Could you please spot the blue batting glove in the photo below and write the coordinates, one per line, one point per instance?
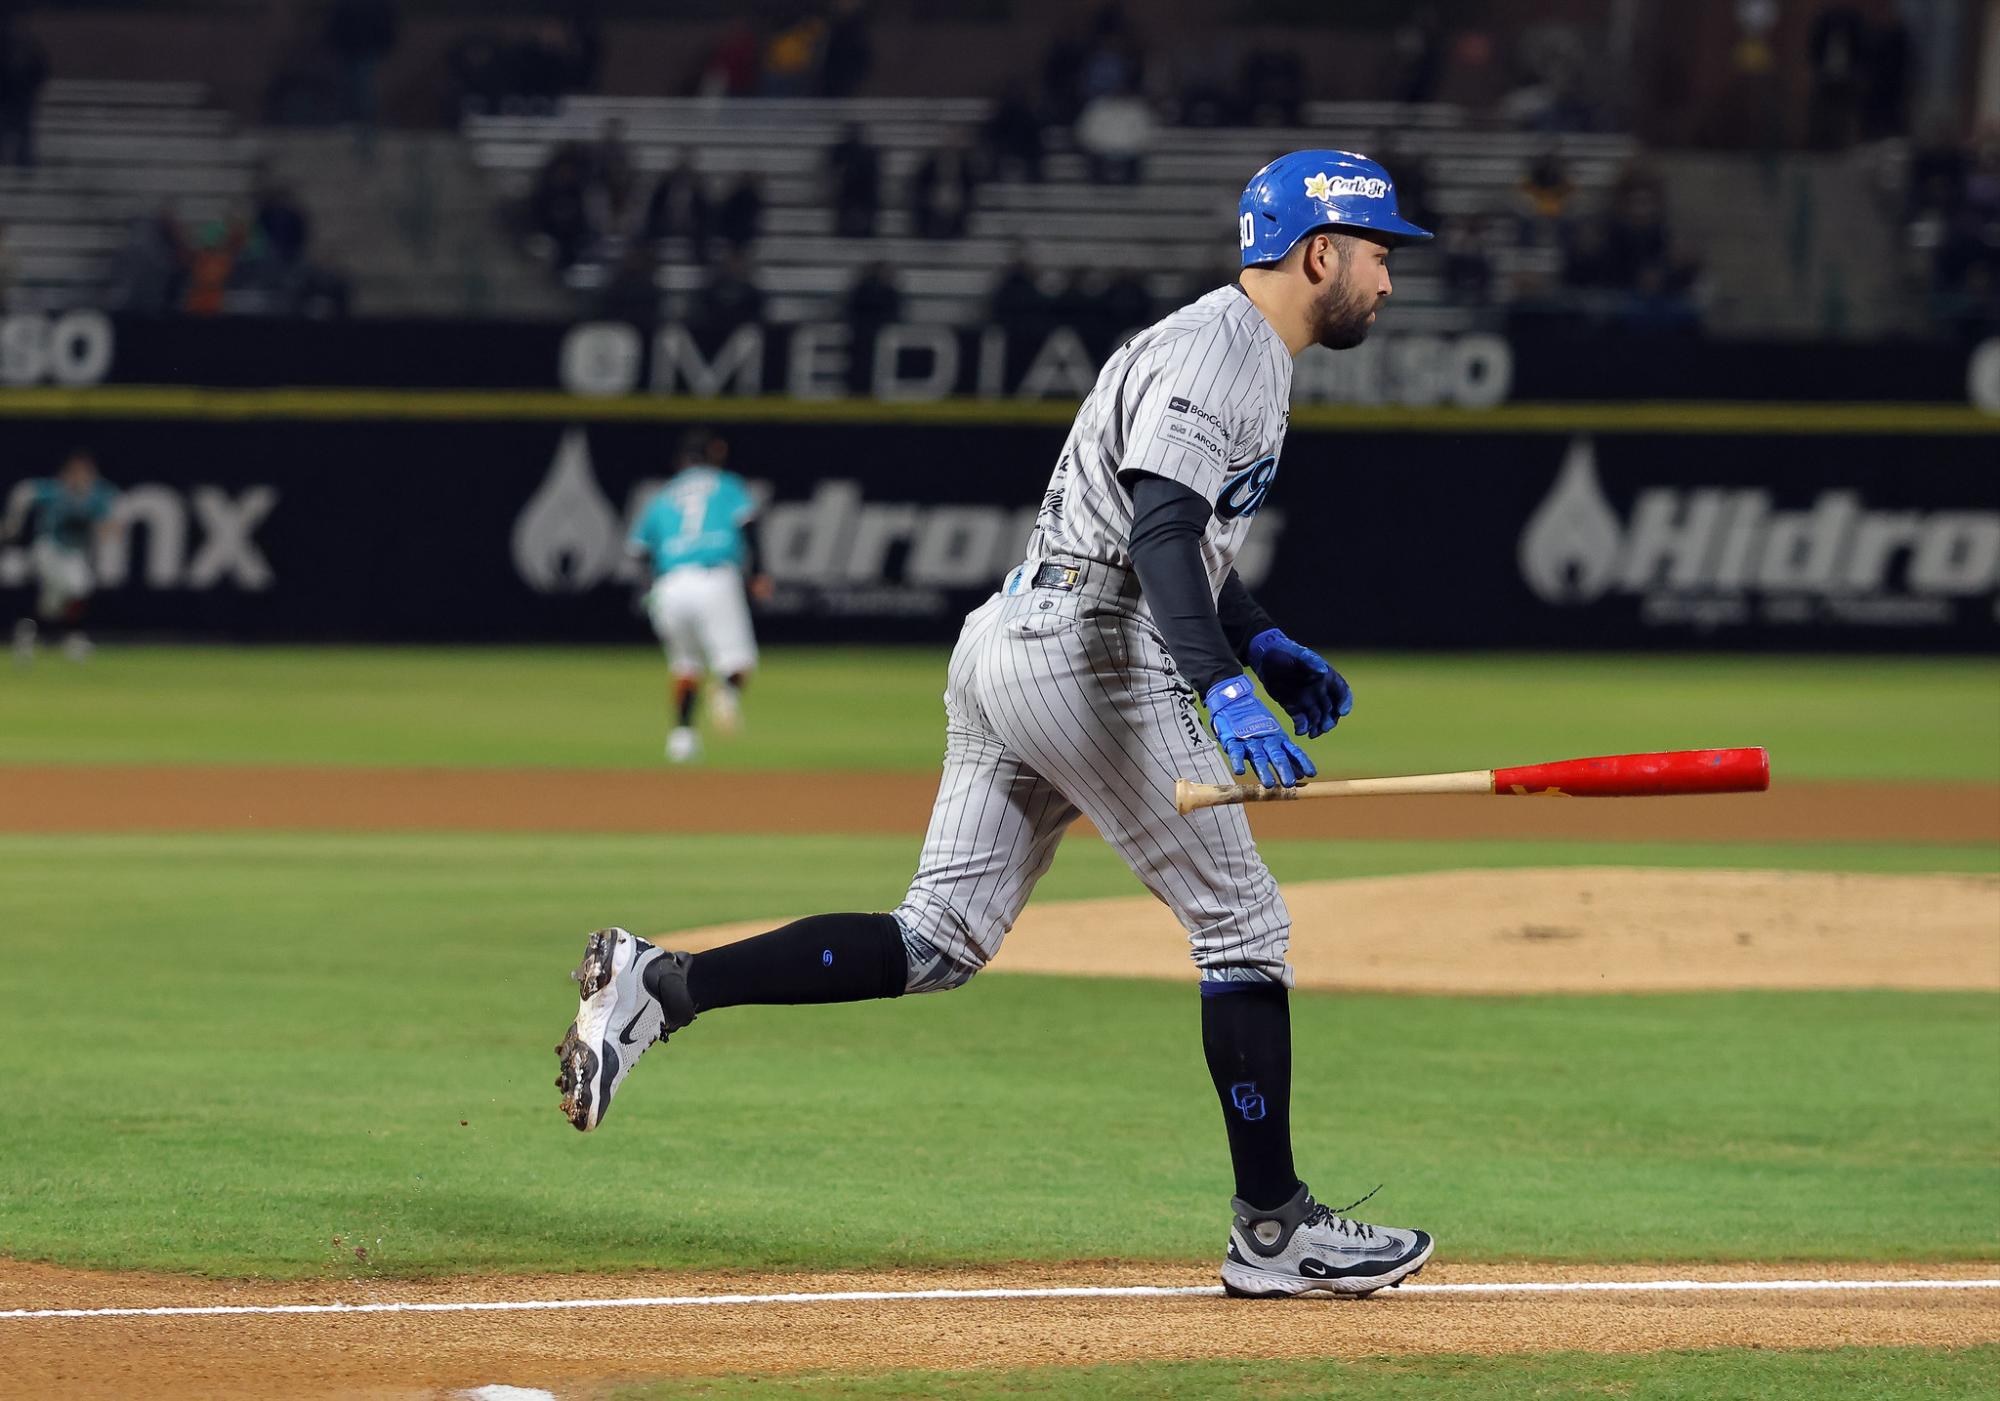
(1250, 734)
(1298, 678)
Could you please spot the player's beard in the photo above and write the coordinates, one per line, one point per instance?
(1340, 316)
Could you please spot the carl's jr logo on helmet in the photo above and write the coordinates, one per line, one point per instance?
(1325, 187)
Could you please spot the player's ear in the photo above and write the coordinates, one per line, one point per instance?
(1318, 254)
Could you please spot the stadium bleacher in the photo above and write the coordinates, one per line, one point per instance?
(110, 153)
(1175, 223)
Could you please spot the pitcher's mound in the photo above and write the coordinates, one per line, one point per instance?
(1566, 929)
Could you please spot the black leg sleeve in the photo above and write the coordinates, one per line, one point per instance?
(827, 958)
(1246, 1032)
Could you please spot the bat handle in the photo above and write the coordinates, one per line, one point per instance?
(1192, 797)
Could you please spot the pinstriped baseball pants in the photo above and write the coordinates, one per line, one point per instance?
(1066, 703)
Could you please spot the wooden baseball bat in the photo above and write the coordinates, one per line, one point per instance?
(1612, 776)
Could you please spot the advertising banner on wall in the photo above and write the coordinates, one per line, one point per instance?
(918, 363)
(478, 531)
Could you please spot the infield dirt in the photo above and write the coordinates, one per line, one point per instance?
(581, 1353)
(230, 798)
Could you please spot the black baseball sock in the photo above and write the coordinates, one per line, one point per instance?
(1246, 1033)
(827, 958)
(685, 694)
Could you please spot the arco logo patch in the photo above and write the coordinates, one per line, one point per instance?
(1245, 492)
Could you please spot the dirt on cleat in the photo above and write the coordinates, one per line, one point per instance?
(595, 970)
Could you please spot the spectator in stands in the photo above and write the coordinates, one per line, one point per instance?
(1659, 301)
(24, 68)
(1419, 47)
(611, 184)
(1957, 228)
(147, 271)
(1017, 301)
(730, 299)
(1011, 142)
(873, 301)
(1542, 200)
(1111, 62)
(1105, 61)
(282, 226)
(739, 218)
(1062, 79)
(478, 68)
(732, 66)
(1208, 91)
(631, 294)
(848, 54)
(611, 163)
(1838, 51)
(526, 73)
(679, 208)
(557, 207)
(1554, 93)
(1885, 111)
(1114, 131)
(854, 170)
(1083, 305)
(1412, 169)
(361, 34)
(211, 256)
(1636, 233)
(1972, 309)
(1587, 265)
(6, 270)
(583, 43)
(1274, 86)
(942, 189)
(792, 58)
(1467, 264)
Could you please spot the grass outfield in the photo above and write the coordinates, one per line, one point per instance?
(1847, 718)
(246, 1046)
(1866, 1374)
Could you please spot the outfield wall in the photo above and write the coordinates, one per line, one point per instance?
(399, 516)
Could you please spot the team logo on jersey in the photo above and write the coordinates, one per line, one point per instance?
(1324, 187)
(1246, 491)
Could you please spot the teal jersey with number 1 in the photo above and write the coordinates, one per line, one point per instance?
(698, 517)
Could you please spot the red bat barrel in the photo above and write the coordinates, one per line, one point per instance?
(1642, 775)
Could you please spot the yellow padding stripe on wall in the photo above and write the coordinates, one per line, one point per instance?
(503, 405)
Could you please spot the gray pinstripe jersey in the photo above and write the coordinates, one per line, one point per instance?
(1062, 700)
(1200, 398)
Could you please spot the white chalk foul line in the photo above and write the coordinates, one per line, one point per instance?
(864, 1296)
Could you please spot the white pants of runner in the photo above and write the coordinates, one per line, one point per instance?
(1065, 702)
(64, 575)
(703, 619)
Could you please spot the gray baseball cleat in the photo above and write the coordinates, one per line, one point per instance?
(616, 1020)
(1305, 1248)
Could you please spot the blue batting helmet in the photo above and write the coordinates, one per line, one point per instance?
(1308, 190)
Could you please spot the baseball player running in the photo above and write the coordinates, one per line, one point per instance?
(70, 512)
(1071, 691)
(694, 536)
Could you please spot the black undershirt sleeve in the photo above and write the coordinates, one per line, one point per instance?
(1242, 616)
(753, 552)
(1167, 521)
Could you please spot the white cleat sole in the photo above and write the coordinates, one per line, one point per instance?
(1245, 1282)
